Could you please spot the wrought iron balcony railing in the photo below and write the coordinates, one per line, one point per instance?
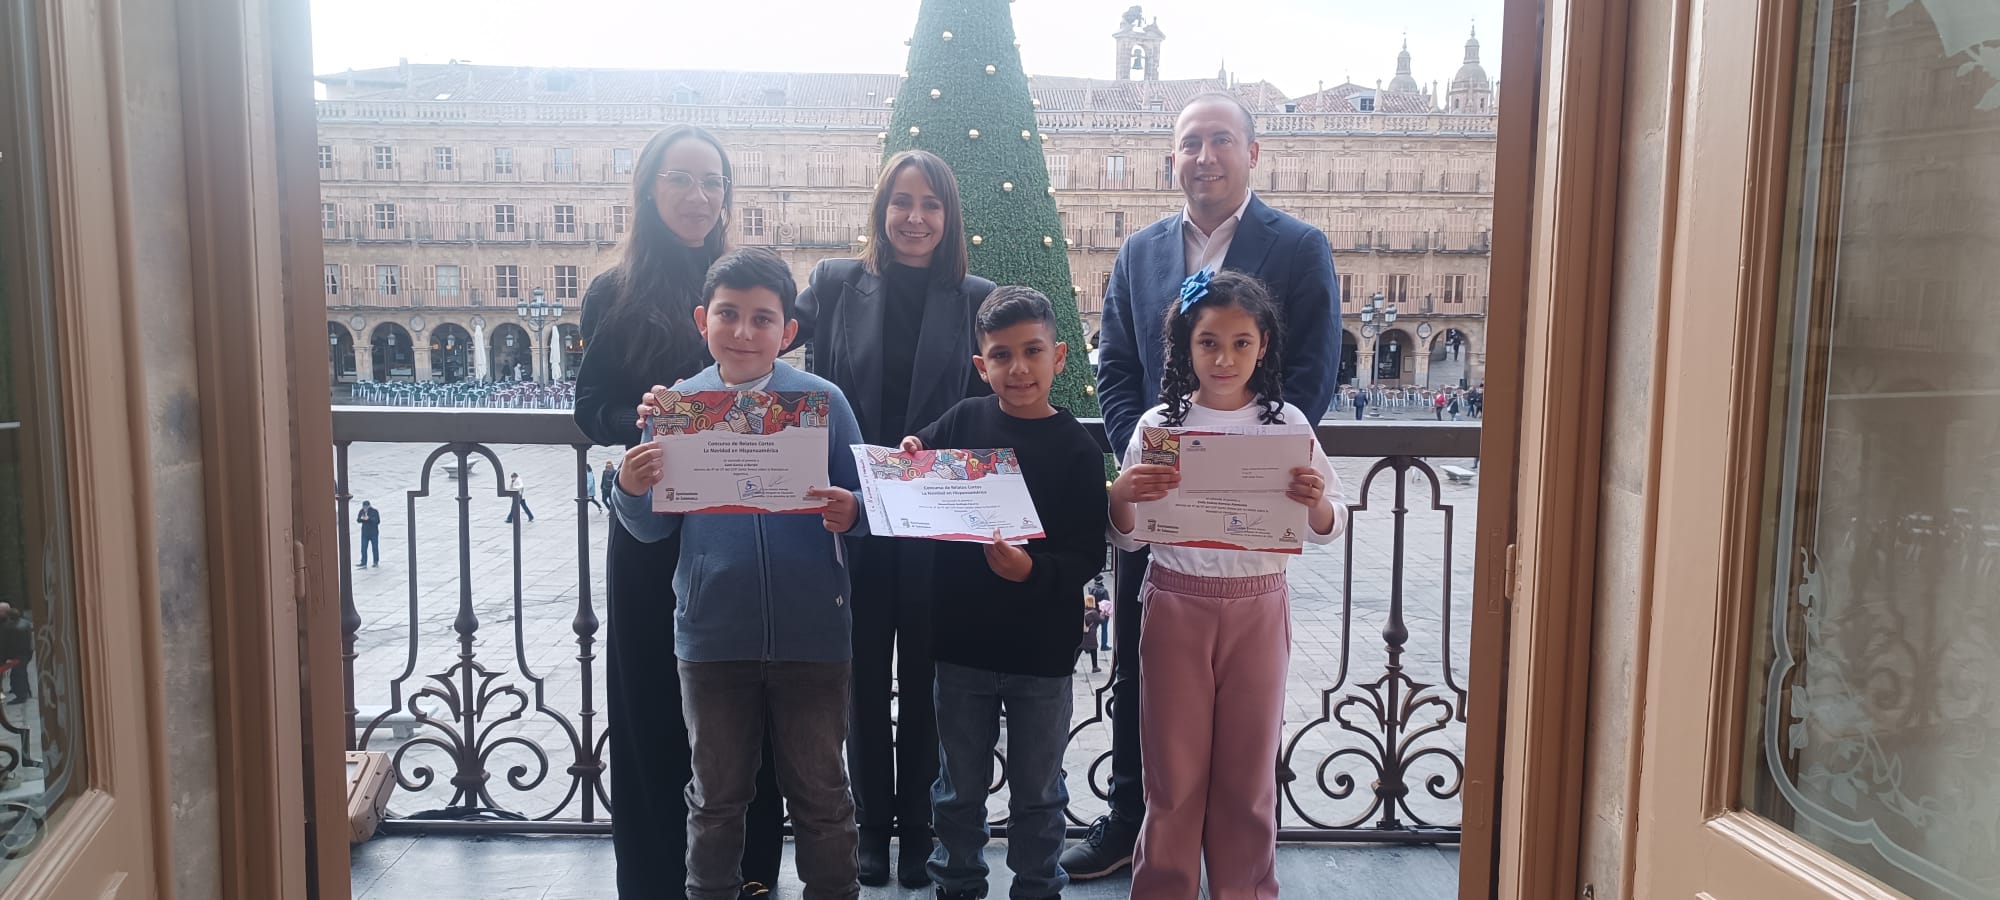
(483, 682)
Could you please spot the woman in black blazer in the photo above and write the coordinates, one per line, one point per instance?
(638, 330)
(894, 329)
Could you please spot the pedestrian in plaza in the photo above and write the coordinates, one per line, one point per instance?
(1438, 402)
(1360, 404)
(1454, 407)
(776, 668)
(1478, 399)
(1012, 617)
(1223, 227)
(1092, 620)
(605, 483)
(590, 486)
(1103, 603)
(17, 647)
(520, 499)
(371, 534)
(1217, 640)
(894, 329)
(638, 326)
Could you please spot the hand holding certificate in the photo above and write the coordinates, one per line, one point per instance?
(1227, 489)
(739, 451)
(946, 495)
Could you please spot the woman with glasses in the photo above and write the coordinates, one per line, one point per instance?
(638, 326)
(894, 330)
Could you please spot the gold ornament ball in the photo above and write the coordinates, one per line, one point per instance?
(1090, 390)
(1076, 290)
(1007, 185)
(883, 136)
(1048, 241)
(913, 131)
(990, 69)
(1037, 103)
(1052, 190)
(947, 35)
(1045, 138)
(935, 93)
(977, 240)
(972, 133)
(1025, 134)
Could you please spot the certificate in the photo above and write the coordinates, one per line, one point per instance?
(740, 451)
(1232, 492)
(946, 495)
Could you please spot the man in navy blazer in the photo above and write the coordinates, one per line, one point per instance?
(1224, 226)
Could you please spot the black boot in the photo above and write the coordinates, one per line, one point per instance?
(873, 852)
(913, 849)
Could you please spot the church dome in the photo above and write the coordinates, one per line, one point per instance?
(1471, 74)
(1403, 82)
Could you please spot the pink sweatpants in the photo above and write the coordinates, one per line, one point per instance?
(1212, 660)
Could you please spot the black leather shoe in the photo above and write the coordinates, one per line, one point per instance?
(913, 852)
(1106, 849)
(873, 855)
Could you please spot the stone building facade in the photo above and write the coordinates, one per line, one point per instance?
(453, 193)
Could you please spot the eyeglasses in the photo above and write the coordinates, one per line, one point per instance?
(683, 182)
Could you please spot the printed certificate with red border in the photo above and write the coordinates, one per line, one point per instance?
(740, 451)
(946, 495)
(1232, 493)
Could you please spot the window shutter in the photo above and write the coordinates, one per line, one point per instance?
(549, 279)
(491, 279)
(430, 278)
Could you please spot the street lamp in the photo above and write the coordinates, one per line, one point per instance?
(538, 311)
(1376, 305)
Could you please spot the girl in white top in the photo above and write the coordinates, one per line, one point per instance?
(1217, 635)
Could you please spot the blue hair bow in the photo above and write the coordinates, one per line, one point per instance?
(1195, 288)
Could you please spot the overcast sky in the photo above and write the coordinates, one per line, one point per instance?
(1295, 44)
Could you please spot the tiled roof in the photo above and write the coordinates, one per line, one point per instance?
(1343, 99)
(516, 84)
(709, 87)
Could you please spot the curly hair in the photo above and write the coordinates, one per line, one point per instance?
(1266, 383)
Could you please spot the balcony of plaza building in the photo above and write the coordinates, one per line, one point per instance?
(474, 656)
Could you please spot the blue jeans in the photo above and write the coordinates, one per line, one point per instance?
(968, 715)
(728, 705)
(371, 541)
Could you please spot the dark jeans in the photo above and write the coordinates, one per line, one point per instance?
(1104, 635)
(371, 539)
(892, 768)
(1128, 795)
(648, 739)
(521, 504)
(730, 707)
(1038, 710)
(1358, 409)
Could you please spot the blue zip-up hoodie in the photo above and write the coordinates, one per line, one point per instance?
(760, 587)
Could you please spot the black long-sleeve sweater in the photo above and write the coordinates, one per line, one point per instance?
(608, 385)
(983, 621)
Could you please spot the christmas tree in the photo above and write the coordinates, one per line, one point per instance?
(966, 100)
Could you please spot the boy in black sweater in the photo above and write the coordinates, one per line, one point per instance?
(1005, 620)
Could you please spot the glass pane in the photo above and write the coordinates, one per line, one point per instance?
(41, 736)
(1875, 689)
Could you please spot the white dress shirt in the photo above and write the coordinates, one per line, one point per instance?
(1206, 563)
(1206, 251)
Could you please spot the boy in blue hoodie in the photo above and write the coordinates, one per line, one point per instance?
(761, 630)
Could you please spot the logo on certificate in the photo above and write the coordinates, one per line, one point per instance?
(1152, 524)
(1289, 537)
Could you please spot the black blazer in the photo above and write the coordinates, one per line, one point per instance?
(840, 314)
(608, 386)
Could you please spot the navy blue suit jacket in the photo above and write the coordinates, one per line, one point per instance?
(1289, 256)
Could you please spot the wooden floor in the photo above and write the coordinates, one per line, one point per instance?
(437, 867)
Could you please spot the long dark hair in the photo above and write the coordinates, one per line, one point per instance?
(1267, 384)
(658, 276)
(948, 260)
